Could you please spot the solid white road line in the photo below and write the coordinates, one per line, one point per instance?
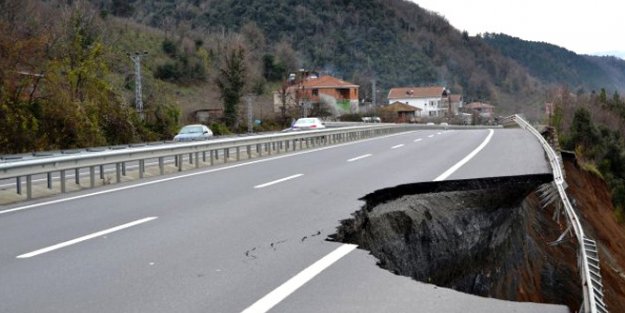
(270, 300)
(418, 139)
(430, 136)
(83, 238)
(277, 181)
(466, 158)
(397, 146)
(359, 157)
(277, 295)
(439, 133)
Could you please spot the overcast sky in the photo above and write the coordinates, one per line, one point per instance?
(583, 26)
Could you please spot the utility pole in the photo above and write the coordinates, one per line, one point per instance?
(302, 78)
(373, 93)
(136, 59)
(250, 125)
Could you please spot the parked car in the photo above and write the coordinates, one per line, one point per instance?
(308, 123)
(375, 119)
(194, 132)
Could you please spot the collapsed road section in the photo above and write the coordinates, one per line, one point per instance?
(487, 237)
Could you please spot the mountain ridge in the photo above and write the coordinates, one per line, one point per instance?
(396, 42)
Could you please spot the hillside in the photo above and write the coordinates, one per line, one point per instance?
(555, 65)
(67, 80)
(393, 41)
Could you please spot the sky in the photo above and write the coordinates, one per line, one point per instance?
(583, 26)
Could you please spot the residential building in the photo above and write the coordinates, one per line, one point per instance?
(456, 102)
(398, 112)
(339, 95)
(431, 101)
(484, 110)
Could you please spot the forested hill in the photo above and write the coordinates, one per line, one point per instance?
(66, 80)
(554, 64)
(393, 41)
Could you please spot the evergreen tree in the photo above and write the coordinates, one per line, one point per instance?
(231, 82)
(583, 131)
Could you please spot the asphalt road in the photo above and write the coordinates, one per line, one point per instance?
(247, 237)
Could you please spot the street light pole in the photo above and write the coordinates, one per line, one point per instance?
(136, 59)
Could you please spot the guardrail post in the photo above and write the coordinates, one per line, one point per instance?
(204, 156)
(18, 185)
(238, 153)
(63, 181)
(29, 187)
(141, 168)
(197, 159)
(101, 171)
(161, 165)
(118, 175)
(92, 176)
(49, 179)
(123, 168)
(226, 155)
(77, 176)
(180, 163)
(269, 148)
(190, 158)
(212, 159)
(249, 151)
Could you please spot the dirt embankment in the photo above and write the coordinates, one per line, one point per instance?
(591, 197)
(487, 237)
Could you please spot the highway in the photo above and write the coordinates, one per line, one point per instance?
(245, 237)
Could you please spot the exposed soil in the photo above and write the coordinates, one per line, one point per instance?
(484, 237)
(591, 197)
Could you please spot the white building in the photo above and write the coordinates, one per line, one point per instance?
(432, 101)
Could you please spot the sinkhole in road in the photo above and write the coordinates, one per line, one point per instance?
(482, 236)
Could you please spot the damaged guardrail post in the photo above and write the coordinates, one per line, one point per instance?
(588, 256)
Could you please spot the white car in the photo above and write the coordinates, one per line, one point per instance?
(308, 123)
(194, 132)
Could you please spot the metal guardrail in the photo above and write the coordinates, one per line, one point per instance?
(588, 257)
(198, 152)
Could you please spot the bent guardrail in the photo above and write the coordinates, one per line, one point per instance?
(588, 257)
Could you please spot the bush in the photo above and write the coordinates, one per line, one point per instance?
(351, 117)
(167, 71)
(170, 48)
(220, 129)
